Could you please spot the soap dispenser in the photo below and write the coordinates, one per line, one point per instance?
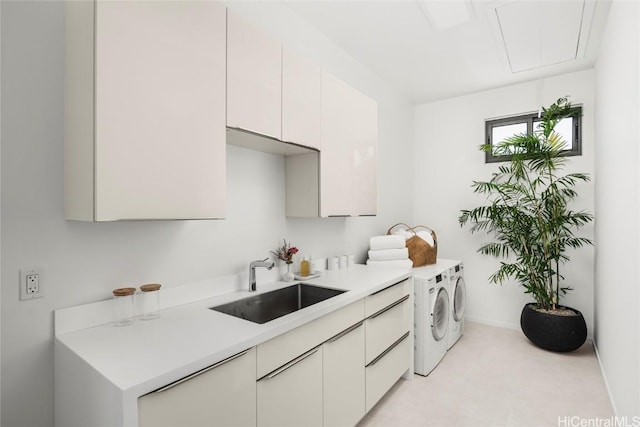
(312, 266)
(304, 267)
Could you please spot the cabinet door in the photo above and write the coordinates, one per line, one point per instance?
(344, 377)
(365, 183)
(292, 394)
(301, 89)
(225, 395)
(336, 151)
(254, 78)
(302, 185)
(348, 152)
(159, 110)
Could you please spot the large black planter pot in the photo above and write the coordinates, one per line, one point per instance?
(553, 332)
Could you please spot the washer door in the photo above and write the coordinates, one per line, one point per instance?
(440, 315)
(459, 299)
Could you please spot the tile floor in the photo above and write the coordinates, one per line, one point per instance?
(496, 377)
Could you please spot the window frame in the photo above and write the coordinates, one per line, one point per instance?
(529, 119)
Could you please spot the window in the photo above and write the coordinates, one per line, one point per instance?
(570, 128)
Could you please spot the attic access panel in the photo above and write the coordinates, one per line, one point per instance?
(541, 33)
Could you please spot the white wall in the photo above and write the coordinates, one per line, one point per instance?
(448, 159)
(0, 205)
(617, 334)
(83, 262)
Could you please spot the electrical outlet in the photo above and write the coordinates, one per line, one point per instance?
(31, 283)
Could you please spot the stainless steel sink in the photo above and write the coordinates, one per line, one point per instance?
(272, 305)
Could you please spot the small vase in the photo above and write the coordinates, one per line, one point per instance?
(288, 275)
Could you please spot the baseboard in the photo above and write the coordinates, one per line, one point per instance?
(488, 322)
(507, 325)
(604, 377)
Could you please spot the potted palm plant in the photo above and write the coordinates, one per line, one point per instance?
(528, 215)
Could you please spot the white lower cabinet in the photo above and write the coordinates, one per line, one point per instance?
(292, 394)
(388, 339)
(377, 301)
(386, 326)
(280, 350)
(221, 395)
(328, 372)
(344, 377)
(296, 369)
(383, 372)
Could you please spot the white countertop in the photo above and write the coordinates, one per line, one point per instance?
(144, 356)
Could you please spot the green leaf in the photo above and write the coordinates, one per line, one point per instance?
(527, 211)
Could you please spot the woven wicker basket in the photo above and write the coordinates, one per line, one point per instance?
(420, 252)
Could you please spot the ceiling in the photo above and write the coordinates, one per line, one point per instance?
(430, 50)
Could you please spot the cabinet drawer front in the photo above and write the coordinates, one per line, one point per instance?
(382, 374)
(385, 297)
(281, 349)
(292, 397)
(384, 329)
(222, 395)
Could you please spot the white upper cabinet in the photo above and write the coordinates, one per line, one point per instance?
(254, 78)
(365, 183)
(273, 91)
(144, 110)
(301, 100)
(336, 150)
(348, 184)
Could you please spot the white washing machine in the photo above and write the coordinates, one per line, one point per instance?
(457, 301)
(431, 317)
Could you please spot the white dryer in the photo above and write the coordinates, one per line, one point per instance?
(458, 298)
(431, 318)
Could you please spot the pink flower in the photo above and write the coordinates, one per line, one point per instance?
(285, 252)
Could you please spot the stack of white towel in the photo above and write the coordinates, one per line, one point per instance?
(389, 251)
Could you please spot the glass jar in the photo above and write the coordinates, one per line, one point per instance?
(150, 301)
(123, 306)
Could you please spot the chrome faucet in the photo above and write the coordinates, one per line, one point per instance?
(252, 271)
